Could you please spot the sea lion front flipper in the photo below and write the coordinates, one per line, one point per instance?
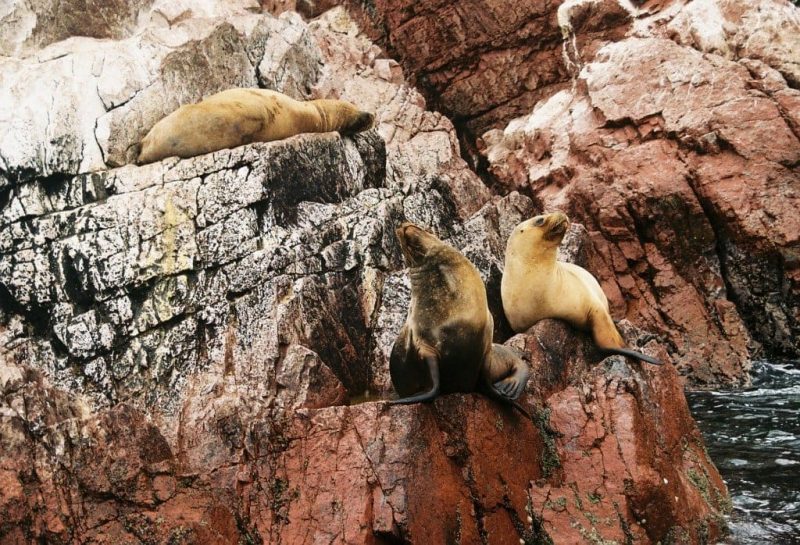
(405, 367)
(433, 366)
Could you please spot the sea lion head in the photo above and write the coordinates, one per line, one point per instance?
(356, 121)
(544, 231)
(416, 243)
(343, 117)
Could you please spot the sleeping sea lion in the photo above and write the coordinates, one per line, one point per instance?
(536, 286)
(445, 344)
(235, 117)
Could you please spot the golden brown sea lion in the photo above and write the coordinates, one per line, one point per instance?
(446, 343)
(241, 116)
(536, 286)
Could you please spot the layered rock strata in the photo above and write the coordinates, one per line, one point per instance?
(611, 455)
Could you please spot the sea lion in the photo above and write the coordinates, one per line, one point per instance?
(241, 116)
(536, 286)
(445, 344)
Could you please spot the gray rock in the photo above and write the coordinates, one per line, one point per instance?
(93, 100)
(267, 275)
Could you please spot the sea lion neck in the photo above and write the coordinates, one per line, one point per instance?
(435, 269)
(531, 256)
(315, 118)
(327, 118)
(543, 256)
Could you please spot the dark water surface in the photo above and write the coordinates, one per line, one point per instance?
(753, 437)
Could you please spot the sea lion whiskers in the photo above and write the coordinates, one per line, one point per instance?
(557, 227)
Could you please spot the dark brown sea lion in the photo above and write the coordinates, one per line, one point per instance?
(241, 116)
(536, 286)
(446, 343)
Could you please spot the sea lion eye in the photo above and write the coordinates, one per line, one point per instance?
(538, 222)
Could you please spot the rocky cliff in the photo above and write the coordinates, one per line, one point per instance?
(668, 128)
(194, 351)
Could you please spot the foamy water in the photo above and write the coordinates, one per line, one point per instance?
(753, 437)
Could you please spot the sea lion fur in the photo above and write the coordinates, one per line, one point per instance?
(536, 286)
(236, 117)
(445, 344)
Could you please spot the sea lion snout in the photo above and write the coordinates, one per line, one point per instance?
(360, 122)
(555, 225)
(364, 121)
(549, 227)
(401, 231)
(412, 241)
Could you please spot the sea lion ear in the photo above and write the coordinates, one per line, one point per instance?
(538, 221)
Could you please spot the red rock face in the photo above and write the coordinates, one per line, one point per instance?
(221, 401)
(629, 468)
(654, 247)
(689, 204)
(676, 145)
(416, 474)
(72, 477)
(483, 62)
(612, 453)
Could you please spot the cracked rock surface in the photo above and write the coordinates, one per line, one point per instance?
(668, 128)
(194, 351)
(685, 171)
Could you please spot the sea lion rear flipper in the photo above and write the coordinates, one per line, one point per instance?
(608, 339)
(505, 387)
(633, 354)
(511, 370)
(433, 366)
(521, 409)
(510, 387)
(497, 392)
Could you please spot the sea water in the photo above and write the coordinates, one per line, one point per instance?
(753, 436)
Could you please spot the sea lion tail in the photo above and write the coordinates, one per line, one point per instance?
(633, 354)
